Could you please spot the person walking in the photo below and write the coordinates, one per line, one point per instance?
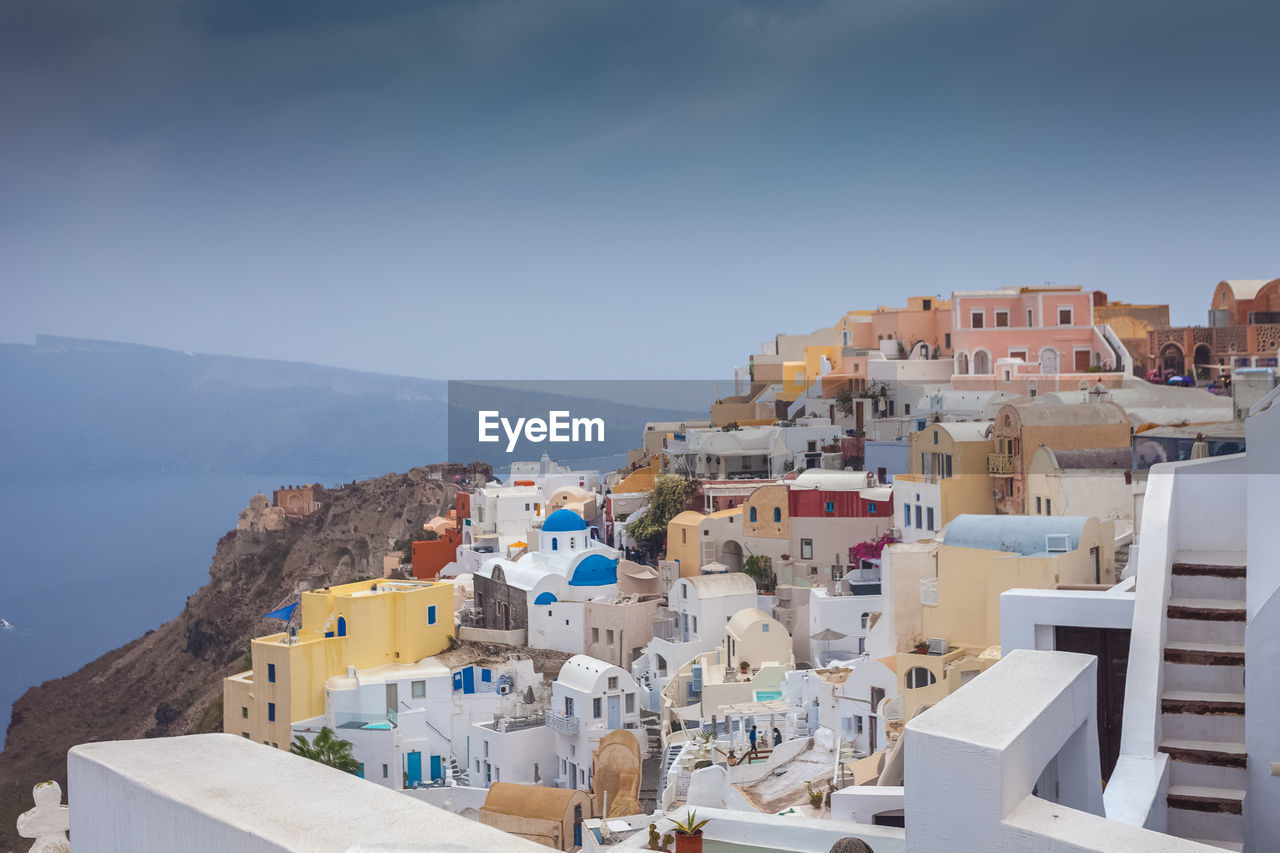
(752, 736)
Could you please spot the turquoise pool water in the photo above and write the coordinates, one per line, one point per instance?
(766, 695)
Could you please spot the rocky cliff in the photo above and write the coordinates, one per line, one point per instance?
(169, 681)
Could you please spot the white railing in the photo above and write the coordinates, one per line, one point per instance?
(560, 723)
(929, 592)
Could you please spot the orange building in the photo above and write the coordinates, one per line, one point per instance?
(1243, 331)
(298, 501)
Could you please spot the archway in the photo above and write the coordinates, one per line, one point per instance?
(1171, 358)
(962, 363)
(731, 555)
(982, 362)
(1202, 358)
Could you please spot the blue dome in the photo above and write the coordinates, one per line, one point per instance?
(564, 520)
(595, 570)
(545, 598)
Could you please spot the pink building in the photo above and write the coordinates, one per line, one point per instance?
(1026, 338)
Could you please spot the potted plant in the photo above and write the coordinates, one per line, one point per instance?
(689, 833)
(922, 648)
(744, 667)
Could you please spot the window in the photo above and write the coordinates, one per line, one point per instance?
(906, 515)
(568, 706)
(918, 676)
(695, 624)
(1038, 506)
(244, 735)
(862, 645)
(871, 508)
(595, 635)
(486, 749)
(1048, 507)
(1064, 315)
(918, 517)
(806, 549)
(777, 514)
(596, 707)
(431, 614)
(947, 461)
(764, 628)
(1018, 353)
(384, 771)
(613, 679)
(976, 319)
(486, 675)
(947, 338)
(419, 689)
(928, 516)
(609, 636)
(813, 446)
(684, 536)
(631, 703)
(555, 543)
(271, 672)
(244, 712)
(684, 591)
(753, 514)
(831, 506)
(935, 436)
(271, 712)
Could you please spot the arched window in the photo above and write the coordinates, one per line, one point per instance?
(555, 543)
(918, 676)
(342, 626)
(981, 362)
(962, 363)
(866, 621)
(753, 514)
(777, 514)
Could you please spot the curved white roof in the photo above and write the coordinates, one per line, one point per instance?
(583, 672)
(745, 618)
(831, 481)
(728, 583)
(1246, 288)
(965, 430)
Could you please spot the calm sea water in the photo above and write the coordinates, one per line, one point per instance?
(89, 563)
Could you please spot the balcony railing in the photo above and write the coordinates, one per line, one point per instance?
(561, 723)
(1002, 463)
(515, 724)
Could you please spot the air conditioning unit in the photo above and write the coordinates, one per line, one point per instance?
(1057, 543)
(504, 689)
(937, 646)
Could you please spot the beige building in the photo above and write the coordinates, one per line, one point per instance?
(1095, 481)
(550, 816)
(980, 557)
(1022, 427)
(948, 477)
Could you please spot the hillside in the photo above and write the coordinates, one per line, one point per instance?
(168, 682)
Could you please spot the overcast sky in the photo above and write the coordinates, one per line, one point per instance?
(647, 189)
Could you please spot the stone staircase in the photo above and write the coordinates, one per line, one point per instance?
(653, 765)
(1202, 706)
(457, 772)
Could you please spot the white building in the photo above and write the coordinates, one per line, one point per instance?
(846, 614)
(589, 699)
(698, 607)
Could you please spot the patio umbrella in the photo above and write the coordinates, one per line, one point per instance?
(826, 635)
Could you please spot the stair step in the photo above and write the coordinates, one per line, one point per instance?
(1208, 570)
(1198, 799)
(1195, 702)
(1214, 654)
(1206, 752)
(1210, 609)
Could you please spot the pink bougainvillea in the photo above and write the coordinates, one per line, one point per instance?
(869, 550)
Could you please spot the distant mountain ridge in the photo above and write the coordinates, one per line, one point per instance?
(74, 405)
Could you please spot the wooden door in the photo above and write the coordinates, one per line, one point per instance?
(1083, 357)
(1111, 647)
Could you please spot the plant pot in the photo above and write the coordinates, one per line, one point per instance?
(689, 843)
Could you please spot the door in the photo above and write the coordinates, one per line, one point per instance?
(615, 712)
(577, 826)
(573, 775)
(414, 767)
(469, 680)
(1082, 360)
(1048, 361)
(1111, 647)
(393, 697)
(437, 768)
(1095, 563)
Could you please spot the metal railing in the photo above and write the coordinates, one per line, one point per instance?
(560, 723)
(515, 724)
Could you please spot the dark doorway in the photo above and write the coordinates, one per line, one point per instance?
(1111, 647)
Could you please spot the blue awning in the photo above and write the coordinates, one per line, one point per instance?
(283, 613)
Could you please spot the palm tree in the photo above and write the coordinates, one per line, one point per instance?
(327, 749)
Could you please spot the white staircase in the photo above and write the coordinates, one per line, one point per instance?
(1202, 706)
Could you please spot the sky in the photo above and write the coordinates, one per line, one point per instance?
(542, 189)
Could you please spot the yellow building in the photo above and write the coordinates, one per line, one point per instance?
(695, 540)
(980, 557)
(363, 624)
(948, 464)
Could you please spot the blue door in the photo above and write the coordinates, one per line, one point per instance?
(469, 680)
(615, 712)
(437, 769)
(415, 768)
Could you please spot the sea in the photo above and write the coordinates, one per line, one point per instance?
(90, 562)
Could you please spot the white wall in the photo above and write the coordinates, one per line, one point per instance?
(557, 625)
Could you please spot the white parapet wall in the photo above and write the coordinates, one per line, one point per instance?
(1026, 725)
(218, 792)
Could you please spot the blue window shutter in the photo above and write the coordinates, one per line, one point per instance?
(431, 614)
(271, 712)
